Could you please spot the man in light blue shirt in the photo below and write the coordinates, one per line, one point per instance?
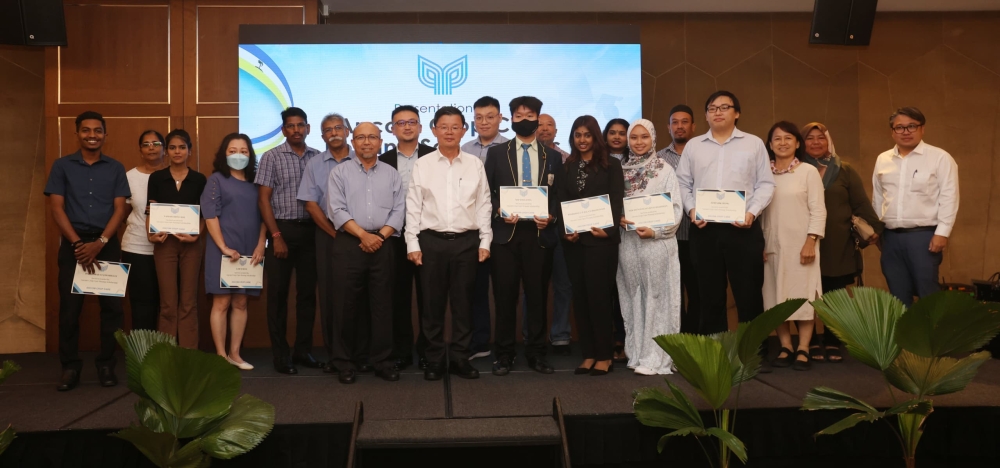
(726, 158)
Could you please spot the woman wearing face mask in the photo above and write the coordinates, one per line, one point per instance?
(229, 204)
(649, 272)
(845, 197)
(177, 256)
(591, 256)
(793, 224)
(143, 290)
(616, 138)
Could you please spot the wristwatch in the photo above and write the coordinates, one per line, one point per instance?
(104, 240)
(813, 237)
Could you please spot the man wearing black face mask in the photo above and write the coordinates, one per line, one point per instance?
(522, 249)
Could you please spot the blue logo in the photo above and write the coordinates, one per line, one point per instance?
(442, 80)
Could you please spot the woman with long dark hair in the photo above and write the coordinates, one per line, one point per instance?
(143, 289)
(229, 205)
(591, 256)
(616, 139)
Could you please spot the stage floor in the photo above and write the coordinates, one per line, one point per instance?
(29, 401)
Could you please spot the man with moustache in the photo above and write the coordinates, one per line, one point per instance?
(916, 194)
(87, 192)
(682, 128)
(547, 134)
(291, 242)
(522, 250)
(726, 158)
(312, 191)
(406, 127)
(487, 121)
(447, 234)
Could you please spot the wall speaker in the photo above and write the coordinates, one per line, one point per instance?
(843, 22)
(32, 22)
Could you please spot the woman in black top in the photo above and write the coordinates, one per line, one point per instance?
(592, 257)
(177, 256)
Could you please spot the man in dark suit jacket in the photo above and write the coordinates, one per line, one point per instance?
(522, 249)
(406, 127)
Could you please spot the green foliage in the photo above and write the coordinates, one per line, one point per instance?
(703, 363)
(188, 396)
(8, 435)
(918, 350)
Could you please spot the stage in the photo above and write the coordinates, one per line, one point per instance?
(314, 415)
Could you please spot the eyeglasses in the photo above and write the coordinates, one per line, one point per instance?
(487, 118)
(336, 128)
(298, 126)
(905, 129)
(371, 138)
(407, 123)
(150, 144)
(453, 128)
(722, 108)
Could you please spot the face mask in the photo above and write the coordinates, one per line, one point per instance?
(237, 161)
(524, 128)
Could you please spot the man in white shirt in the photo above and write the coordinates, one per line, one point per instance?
(915, 192)
(448, 234)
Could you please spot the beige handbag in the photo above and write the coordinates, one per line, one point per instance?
(862, 231)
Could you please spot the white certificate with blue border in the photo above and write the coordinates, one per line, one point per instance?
(174, 219)
(108, 279)
(525, 202)
(585, 213)
(652, 211)
(241, 274)
(720, 206)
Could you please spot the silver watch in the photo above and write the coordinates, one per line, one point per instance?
(104, 240)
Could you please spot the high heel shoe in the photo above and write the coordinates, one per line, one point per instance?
(583, 370)
(240, 365)
(597, 372)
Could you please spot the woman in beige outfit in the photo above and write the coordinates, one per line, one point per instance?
(793, 224)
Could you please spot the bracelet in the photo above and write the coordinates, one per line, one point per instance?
(379, 234)
(276, 235)
(77, 243)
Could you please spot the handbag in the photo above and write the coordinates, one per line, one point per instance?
(861, 231)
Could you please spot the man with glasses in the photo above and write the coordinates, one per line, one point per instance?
(312, 191)
(915, 192)
(406, 127)
(726, 158)
(487, 123)
(291, 242)
(447, 234)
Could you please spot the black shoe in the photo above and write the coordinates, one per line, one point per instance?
(422, 363)
(583, 370)
(329, 368)
(561, 350)
(502, 366)
(284, 367)
(388, 373)
(433, 372)
(595, 372)
(402, 363)
(802, 365)
(463, 369)
(347, 376)
(69, 380)
(538, 364)
(364, 367)
(106, 375)
(783, 361)
(306, 360)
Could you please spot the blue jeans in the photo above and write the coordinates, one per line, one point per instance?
(561, 332)
(909, 268)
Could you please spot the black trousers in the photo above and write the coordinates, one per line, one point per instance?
(301, 242)
(481, 318)
(721, 250)
(690, 308)
(592, 271)
(402, 304)
(143, 291)
(521, 261)
(448, 276)
(355, 274)
(70, 306)
(325, 267)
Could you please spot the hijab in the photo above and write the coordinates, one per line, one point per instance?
(831, 161)
(635, 159)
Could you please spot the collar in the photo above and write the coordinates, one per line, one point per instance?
(441, 156)
(534, 144)
(737, 133)
(361, 164)
(920, 149)
(671, 148)
(287, 148)
(328, 156)
(416, 152)
(78, 156)
(492, 142)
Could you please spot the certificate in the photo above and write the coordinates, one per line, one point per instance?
(108, 279)
(241, 274)
(174, 219)
(652, 211)
(720, 206)
(525, 202)
(585, 213)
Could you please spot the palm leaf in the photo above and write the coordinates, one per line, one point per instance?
(947, 323)
(136, 344)
(848, 422)
(751, 336)
(728, 341)
(823, 398)
(190, 456)
(735, 445)
(924, 407)
(248, 423)
(866, 323)
(703, 363)
(8, 369)
(151, 416)
(655, 408)
(920, 375)
(6, 437)
(156, 446)
(188, 383)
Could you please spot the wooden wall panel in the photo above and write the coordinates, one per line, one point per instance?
(117, 54)
(122, 139)
(210, 131)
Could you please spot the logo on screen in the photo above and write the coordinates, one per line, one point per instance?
(442, 79)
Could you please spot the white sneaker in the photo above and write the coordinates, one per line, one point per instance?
(642, 370)
(480, 354)
(240, 365)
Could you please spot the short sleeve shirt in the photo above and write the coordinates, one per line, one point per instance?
(89, 189)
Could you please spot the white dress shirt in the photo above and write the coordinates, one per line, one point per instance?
(919, 189)
(741, 163)
(532, 155)
(448, 197)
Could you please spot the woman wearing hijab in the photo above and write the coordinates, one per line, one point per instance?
(649, 272)
(845, 197)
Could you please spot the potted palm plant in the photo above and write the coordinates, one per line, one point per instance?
(926, 350)
(8, 435)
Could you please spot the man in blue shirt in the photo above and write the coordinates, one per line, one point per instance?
(87, 192)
